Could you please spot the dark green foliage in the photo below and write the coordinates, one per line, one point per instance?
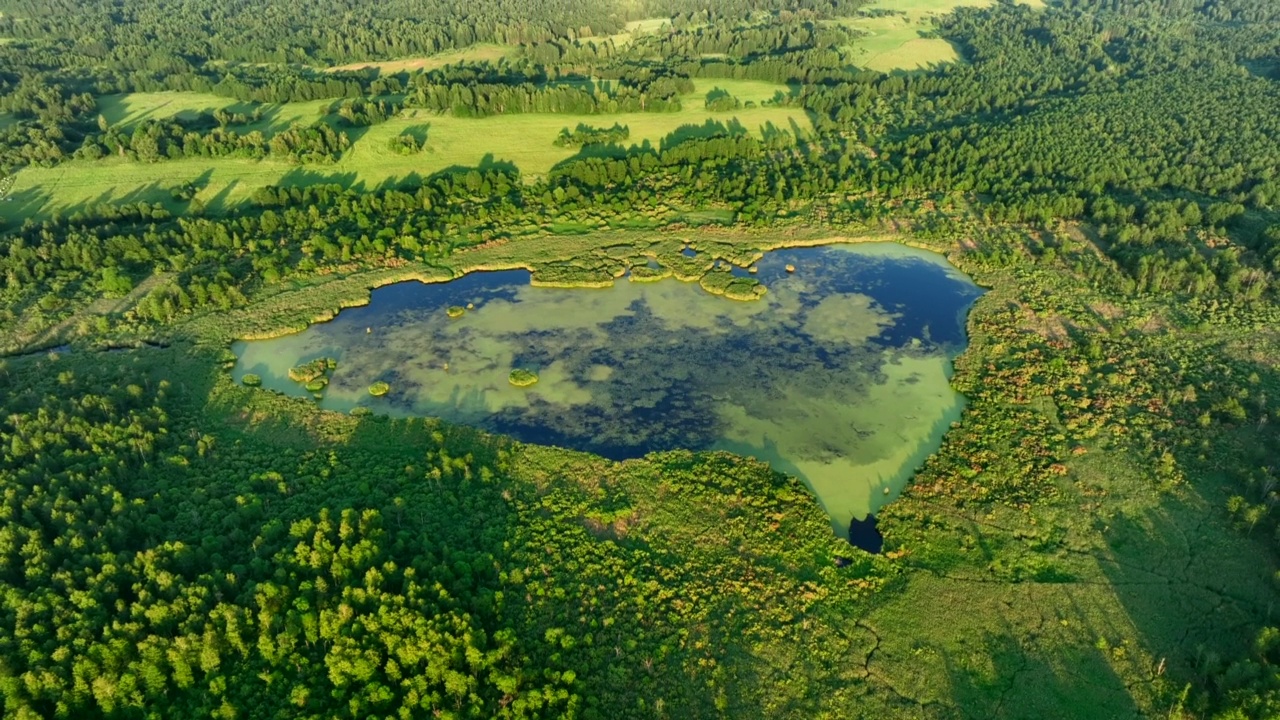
(313, 375)
(155, 140)
(407, 144)
(720, 101)
(382, 566)
(361, 112)
(521, 377)
(585, 134)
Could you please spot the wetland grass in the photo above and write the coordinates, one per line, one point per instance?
(522, 378)
(309, 372)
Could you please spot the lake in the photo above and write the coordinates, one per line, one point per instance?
(839, 375)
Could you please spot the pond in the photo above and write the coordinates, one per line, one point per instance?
(839, 375)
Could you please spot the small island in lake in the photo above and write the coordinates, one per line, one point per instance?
(522, 378)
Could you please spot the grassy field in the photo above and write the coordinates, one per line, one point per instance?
(476, 53)
(894, 41)
(525, 140)
(634, 29)
(492, 52)
(124, 110)
(745, 90)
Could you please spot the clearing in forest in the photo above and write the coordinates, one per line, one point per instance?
(897, 33)
(128, 109)
(485, 52)
(523, 140)
(634, 29)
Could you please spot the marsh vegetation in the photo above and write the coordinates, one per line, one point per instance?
(521, 377)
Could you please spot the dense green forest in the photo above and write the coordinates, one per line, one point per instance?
(1096, 537)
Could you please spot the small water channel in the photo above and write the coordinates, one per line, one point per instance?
(839, 375)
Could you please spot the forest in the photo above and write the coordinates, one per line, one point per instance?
(1096, 537)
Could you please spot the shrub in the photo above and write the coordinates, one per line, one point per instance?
(522, 378)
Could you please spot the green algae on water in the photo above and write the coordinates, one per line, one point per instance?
(839, 375)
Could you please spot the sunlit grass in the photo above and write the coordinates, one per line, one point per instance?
(634, 29)
(485, 52)
(524, 140)
(128, 109)
(896, 42)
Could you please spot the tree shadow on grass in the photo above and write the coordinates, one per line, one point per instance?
(705, 131)
(1006, 676)
(21, 205)
(420, 132)
(488, 163)
(306, 177)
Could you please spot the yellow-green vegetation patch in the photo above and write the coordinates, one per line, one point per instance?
(373, 159)
(686, 268)
(379, 389)
(484, 52)
(897, 33)
(633, 29)
(455, 311)
(310, 371)
(748, 91)
(723, 282)
(652, 260)
(621, 251)
(521, 377)
(251, 380)
(645, 273)
(584, 272)
(227, 358)
(736, 253)
(130, 108)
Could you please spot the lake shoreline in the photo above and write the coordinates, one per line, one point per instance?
(380, 278)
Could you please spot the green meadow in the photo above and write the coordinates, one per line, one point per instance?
(897, 41)
(524, 140)
(128, 109)
(634, 29)
(484, 52)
